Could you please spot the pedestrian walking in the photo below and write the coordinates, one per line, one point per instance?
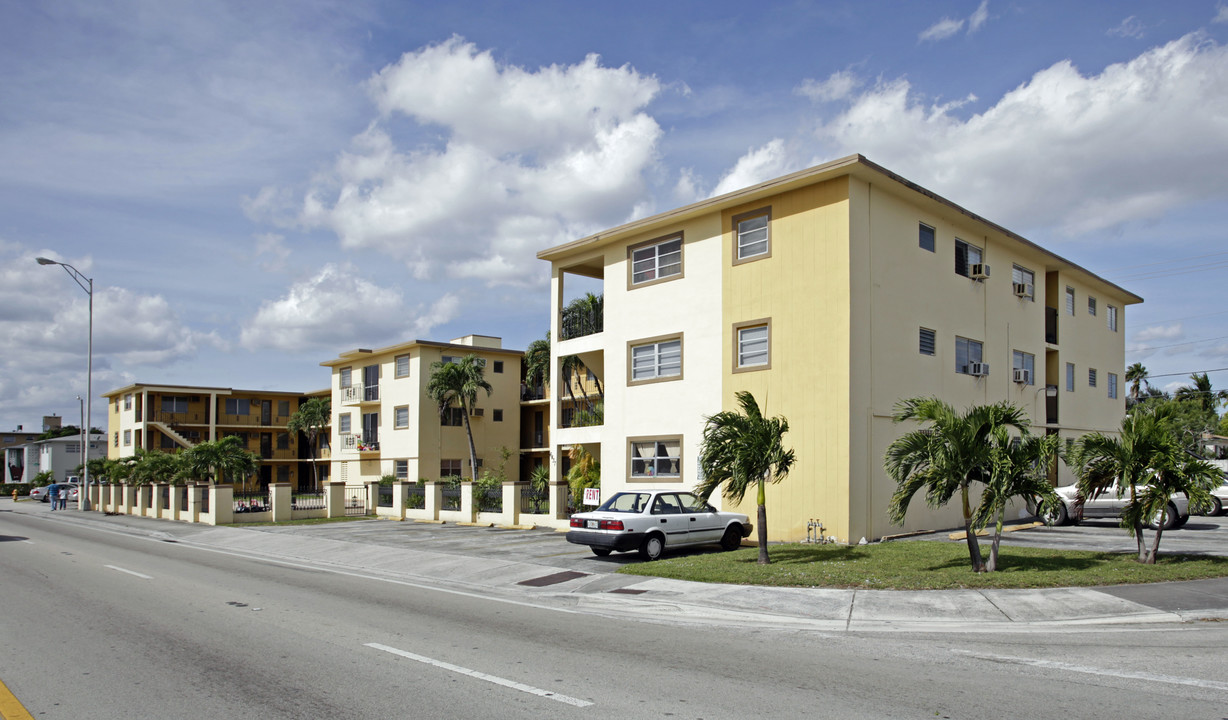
(53, 496)
(64, 497)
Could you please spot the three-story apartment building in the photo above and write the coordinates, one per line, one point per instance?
(830, 294)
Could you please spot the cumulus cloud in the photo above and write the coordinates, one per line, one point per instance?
(756, 166)
(838, 86)
(1131, 27)
(338, 308)
(1049, 153)
(514, 160)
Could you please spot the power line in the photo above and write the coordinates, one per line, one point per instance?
(1196, 372)
(1188, 342)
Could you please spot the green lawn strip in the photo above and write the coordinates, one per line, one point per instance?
(306, 521)
(926, 565)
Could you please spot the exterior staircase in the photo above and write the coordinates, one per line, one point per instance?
(171, 433)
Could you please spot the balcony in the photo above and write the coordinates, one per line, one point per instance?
(359, 394)
(353, 442)
(583, 316)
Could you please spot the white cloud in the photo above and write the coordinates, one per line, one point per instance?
(1160, 333)
(274, 246)
(1050, 152)
(978, 17)
(756, 166)
(941, 30)
(527, 159)
(838, 86)
(1221, 14)
(339, 309)
(1131, 27)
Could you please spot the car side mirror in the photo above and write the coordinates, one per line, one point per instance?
(709, 508)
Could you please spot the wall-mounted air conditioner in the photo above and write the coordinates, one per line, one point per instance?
(978, 368)
(478, 412)
(979, 271)
(1023, 290)
(1023, 376)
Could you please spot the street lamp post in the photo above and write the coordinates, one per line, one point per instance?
(87, 284)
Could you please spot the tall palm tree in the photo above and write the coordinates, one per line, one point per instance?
(537, 362)
(310, 419)
(218, 458)
(741, 449)
(945, 457)
(456, 384)
(1019, 468)
(1200, 391)
(1136, 375)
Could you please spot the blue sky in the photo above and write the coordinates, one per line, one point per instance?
(256, 187)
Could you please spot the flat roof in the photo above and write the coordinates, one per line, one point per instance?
(853, 165)
(359, 353)
(137, 387)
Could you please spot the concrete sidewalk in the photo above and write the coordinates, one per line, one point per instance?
(680, 602)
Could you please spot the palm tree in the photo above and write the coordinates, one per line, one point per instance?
(537, 362)
(1136, 375)
(1019, 468)
(1200, 391)
(155, 466)
(741, 449)
(218, 458)
(310, 419)
(585, 471)
(946, 457)
(456, 384)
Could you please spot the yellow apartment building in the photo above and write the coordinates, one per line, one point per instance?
(384, 423)
(172, 418)
(830, 294)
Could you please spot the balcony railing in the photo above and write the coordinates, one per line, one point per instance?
(574, 324)
(354, 441)
(359, 393)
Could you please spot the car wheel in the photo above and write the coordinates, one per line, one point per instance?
(652, 547)
(600, 552)
(732, 539)
(1217, 506)
(1170, 519)
(1056, 516)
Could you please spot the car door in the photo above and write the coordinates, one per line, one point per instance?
(706, 525)
(1104, 505)
(667, 516)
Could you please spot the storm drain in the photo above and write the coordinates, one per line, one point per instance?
(554, 579)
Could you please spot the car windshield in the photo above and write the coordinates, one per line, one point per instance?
(628, 502)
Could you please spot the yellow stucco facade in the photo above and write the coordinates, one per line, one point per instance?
(868, 289)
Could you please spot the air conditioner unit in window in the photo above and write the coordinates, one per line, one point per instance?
(478, 412)
(980, 271)
(1023, 376)
(1023, 290)
(978, 368)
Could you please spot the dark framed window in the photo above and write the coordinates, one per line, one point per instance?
(965, 257)
(925, 237)
(927, 341)
(967, 352)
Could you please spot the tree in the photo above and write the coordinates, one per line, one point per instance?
(537, 362)
(456, 384)
(1199, 391)
(1147, 461)
(585, 471)
(1019, 468)
(311, 418)
(153, 466)
(1136, 375)
(217, 458)
(945, 457)
(739, 449)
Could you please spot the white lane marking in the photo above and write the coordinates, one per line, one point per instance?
(130, 572)
(1125, 674)
(483, 676)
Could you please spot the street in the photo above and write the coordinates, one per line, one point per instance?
(102, 624)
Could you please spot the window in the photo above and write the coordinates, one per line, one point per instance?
(347, 377)
(657, 360)
(1070, 374)
(752, 235)
(1111, 316)
(752, 349)
(449, 468)
(174, 404)
(400, 468)
(656, 458)
(283, 441)
(1025, 361)
(400, 416)
(128, 401)
(115, 441)
(1113, 386)
(1023, 282)
(1091, 377)
(166, 442)
(498, 366)
(925, 237)
(1069, 300)
(927, 339)
(452, 417)
(402, 366)
(966, 352)
(343, 423)
(965, 257)
(283, 473)
(72, 448)
(127, 438)
(496, 415)
(238, 406)
(283, 408)
(656, 261)
(1091, 305)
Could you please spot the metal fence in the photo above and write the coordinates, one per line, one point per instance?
(308, 501)
(490, 501)
(415, 497)
(355, 501)
(165, 490)
(204, 499)
(250, 502)
(385, 496)
(451, 497)
(535, 502)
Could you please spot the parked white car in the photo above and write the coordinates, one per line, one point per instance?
(1108, 505)
(651, 520)
(1219, 495)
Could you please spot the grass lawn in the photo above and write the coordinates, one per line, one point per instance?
(925, 565)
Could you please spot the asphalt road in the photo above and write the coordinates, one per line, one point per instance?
(106, 625)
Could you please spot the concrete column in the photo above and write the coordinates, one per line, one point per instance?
(129, 500)
(511, 501)
(176, 504)
(434, 498)
(279, 496)
(372, 497)
(558, 499)
(468, 507)
(400, 493)
(142, 500)
(156, 499)
(221, 505)
(195, 501)
(336, 499)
